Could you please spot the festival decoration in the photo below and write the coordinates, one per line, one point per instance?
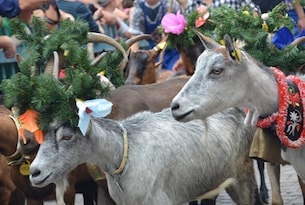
(203, 15)
(255, 33)
(174, 24)
(265, 18)
(95, 108)
(51, 97)
(289, 117)
(28, 122)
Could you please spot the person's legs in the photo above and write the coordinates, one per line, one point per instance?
(169, 59)
(292, 14)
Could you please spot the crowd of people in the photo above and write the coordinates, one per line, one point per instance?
(127, 18)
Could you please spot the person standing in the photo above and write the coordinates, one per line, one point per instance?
(79, 10)
(146, 17)
(267, 5)
(21, 8)
(235, 4)
(8, 46)
(296, 11)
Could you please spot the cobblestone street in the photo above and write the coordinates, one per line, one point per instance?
(291, 192)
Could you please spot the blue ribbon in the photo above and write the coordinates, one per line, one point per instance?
(96, 108)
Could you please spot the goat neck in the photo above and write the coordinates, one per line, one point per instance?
(8, 137)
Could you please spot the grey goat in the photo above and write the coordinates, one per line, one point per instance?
(167, 162)
(226, 77)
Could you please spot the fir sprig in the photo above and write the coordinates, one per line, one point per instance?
(55, 98)
(253, 31)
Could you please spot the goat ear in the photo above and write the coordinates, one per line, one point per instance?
(208, 43)
(233, 52)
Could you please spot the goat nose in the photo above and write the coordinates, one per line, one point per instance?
(35, 172)
(175, 106)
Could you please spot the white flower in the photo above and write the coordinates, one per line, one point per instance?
(265, 16)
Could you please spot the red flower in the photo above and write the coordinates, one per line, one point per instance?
(203, 16)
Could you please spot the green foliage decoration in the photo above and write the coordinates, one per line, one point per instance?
(253, 31)
(55, 98)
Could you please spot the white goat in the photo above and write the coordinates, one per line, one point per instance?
(226, 77)
(167, 162)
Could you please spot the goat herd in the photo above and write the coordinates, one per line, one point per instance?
(171, 142)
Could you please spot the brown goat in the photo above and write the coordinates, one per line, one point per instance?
(142, 68)
(130, 99)
(7, 186)
(14, 179)
(9, 193)
(190, 55)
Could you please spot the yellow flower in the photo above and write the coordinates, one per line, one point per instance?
(265, 26)
(66, 52)
(246, 13)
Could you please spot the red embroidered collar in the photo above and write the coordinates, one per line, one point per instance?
(289, 120)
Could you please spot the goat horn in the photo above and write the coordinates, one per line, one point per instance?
(298, 41)
(98, 59)
(52, 67)
(102, 38)
(137, 38)
(98, 37)
(206, 41)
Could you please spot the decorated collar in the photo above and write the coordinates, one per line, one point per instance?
(290, 116)
(17, 155)
(125, 152)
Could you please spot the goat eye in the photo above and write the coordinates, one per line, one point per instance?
(216, 71)
(66, 137)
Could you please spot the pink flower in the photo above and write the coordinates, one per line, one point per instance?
(202, 9)
(203, 16)
(174, 24)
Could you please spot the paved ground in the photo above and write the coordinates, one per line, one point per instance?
(290, 189)
(291, 192)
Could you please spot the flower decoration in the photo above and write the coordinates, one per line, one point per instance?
(28, 122)
(203, 15)
(96, 108)
(265, 17)
(173, 23)
(254, 31)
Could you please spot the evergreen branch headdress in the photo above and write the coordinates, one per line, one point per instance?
(36, 88)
